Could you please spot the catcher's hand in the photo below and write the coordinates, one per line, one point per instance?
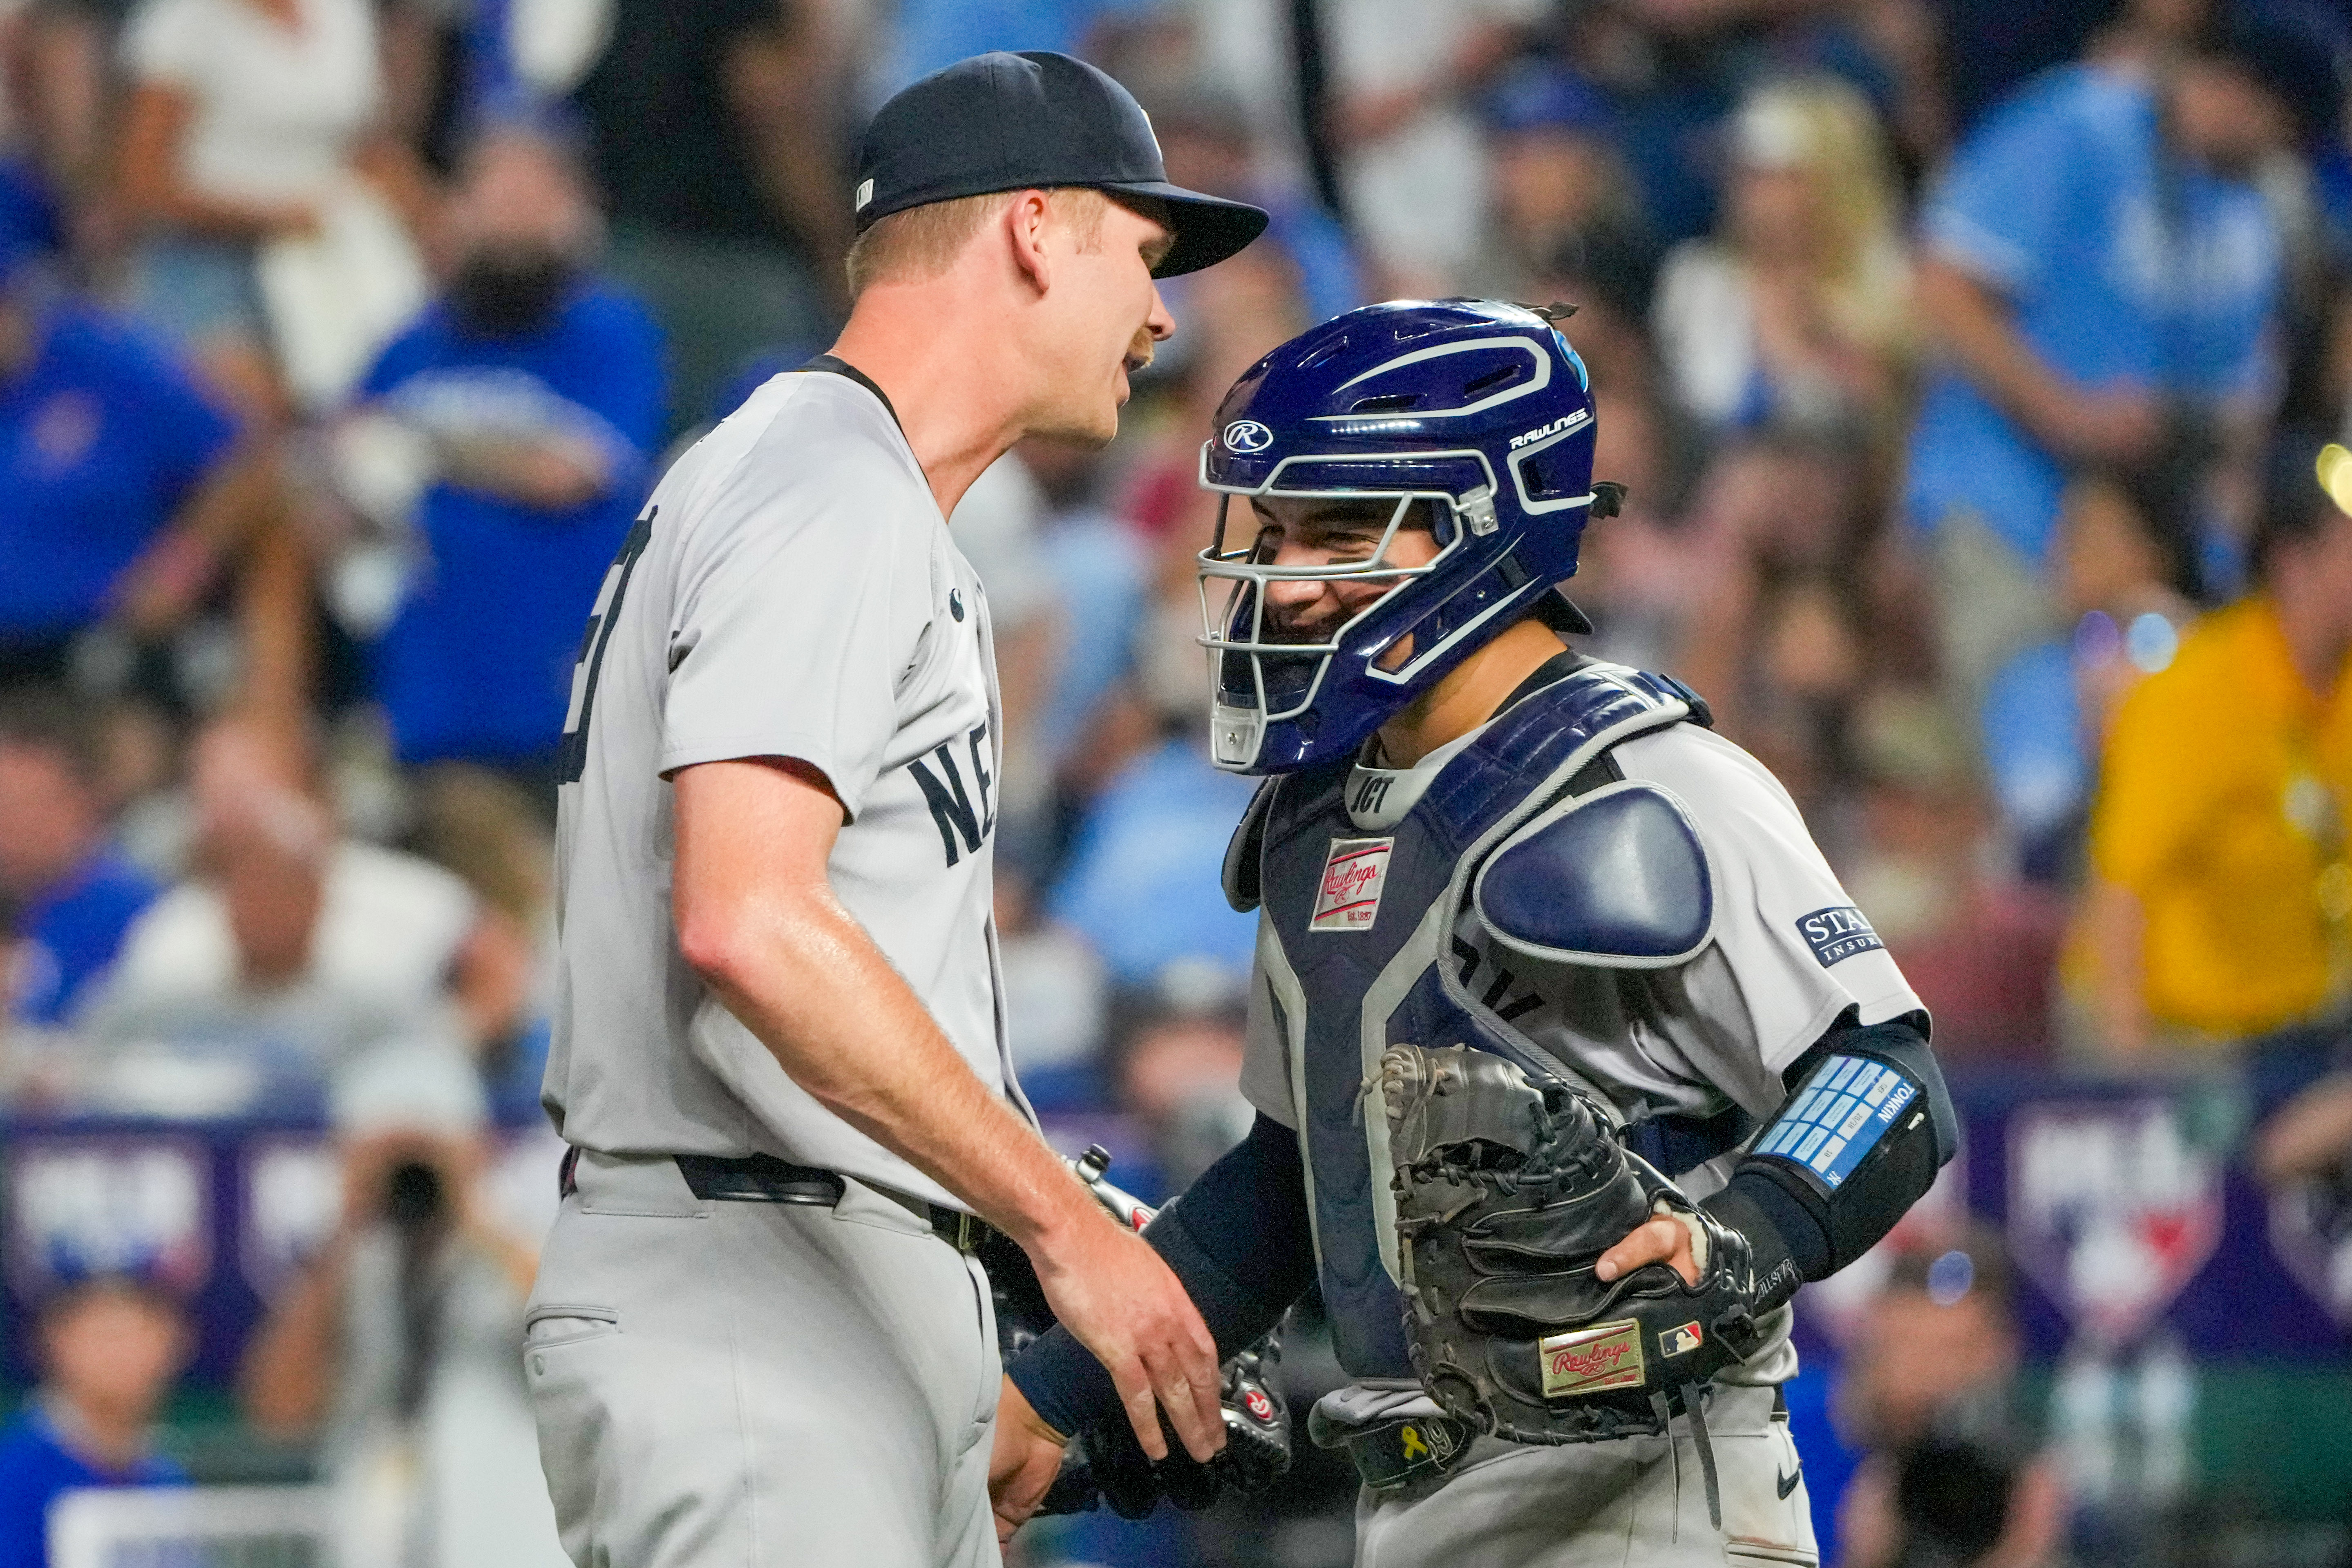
(1559, 1288)
(1661, 1240)
(1023, 1464)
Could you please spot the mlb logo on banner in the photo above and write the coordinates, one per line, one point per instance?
(1352, 879)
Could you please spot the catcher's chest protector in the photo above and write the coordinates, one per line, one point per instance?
(1366, 925)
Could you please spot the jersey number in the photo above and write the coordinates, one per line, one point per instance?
(591, 662)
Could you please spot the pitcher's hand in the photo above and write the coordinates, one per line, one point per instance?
(1110, 1290)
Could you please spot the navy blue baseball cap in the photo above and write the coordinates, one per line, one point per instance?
(1036, 120)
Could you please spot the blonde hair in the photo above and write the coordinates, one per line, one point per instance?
(1826, 132)
(920, 243)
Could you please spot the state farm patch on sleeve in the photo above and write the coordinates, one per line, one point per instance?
(1352, 879)
(1835, 935)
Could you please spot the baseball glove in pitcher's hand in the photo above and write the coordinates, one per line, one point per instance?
(1508, 1189)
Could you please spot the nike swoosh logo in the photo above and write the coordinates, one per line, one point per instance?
(1789, 1483)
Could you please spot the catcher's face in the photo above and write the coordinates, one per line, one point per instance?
(1302, 532)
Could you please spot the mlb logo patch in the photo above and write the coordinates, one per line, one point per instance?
(1681, 1341)
(1352, 879)
(1838, 934)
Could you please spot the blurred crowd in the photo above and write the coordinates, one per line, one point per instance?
(1970, 366)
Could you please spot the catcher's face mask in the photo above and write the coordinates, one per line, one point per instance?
(1291, 579)
(1454, 441)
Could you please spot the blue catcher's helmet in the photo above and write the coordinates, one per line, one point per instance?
(1478, 405)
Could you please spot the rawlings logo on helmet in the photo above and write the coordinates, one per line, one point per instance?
(1248, 436)
(1565, 422)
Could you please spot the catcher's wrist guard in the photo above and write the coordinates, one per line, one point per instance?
(1867, 1124)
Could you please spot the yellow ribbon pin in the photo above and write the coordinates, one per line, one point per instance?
(1414, 1449)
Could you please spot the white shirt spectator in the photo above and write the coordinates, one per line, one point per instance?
(996, 526)
(277, 111)
(386, 941)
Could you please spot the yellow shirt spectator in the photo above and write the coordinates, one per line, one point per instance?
(2221, 805)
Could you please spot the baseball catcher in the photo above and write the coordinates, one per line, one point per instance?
(1572, 1058)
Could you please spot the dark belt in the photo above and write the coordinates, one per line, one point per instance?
(764, 1178)
(1400, 1450)
(1391, 1453)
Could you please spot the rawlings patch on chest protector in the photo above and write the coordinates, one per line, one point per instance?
(1588, 1360)
(1353, 876)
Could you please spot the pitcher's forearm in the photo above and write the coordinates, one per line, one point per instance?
(847, 1028)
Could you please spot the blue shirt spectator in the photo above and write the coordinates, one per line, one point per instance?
(935, 34)
(111, 1347)
(1142, 884)
(103, 437)
(70, 932)
(477, 664)
(1330, 275)
(1102, 571)
(73, 897)
(1210, 142)
(2060, 204)
(37, 1467)
(540, 392)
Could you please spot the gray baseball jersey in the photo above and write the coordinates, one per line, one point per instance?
(790, 590)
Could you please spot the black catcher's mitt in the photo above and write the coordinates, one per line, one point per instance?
(1509, 1190)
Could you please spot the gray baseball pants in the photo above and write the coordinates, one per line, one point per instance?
(1621, 1503)
(736, 1384)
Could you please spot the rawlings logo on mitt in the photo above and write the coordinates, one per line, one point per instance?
(1509, 1190)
